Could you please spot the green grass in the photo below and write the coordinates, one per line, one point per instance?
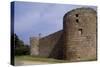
(48, 60)
(36, 58)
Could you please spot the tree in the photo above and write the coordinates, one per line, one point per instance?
(19, 47)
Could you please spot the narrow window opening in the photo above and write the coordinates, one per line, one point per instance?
(77, 15)
(78, 57)
(80, 31)
(77, 20)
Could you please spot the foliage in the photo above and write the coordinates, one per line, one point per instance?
(19, 47)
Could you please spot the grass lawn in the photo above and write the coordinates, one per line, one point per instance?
(33, 60)
(37, 59)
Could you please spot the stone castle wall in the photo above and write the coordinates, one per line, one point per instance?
(34, 47)
(52, 45)
(80, 34)
(77, 40)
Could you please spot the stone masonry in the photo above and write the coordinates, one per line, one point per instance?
(77, 41)
(34, 49)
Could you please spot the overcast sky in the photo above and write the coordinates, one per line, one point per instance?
(34, 18)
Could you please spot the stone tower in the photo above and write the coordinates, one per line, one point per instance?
(34, 46)
(79, 26)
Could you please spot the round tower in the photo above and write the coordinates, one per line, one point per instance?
(34, 46)
(79, 27)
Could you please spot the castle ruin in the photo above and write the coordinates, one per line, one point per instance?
(75, 42)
